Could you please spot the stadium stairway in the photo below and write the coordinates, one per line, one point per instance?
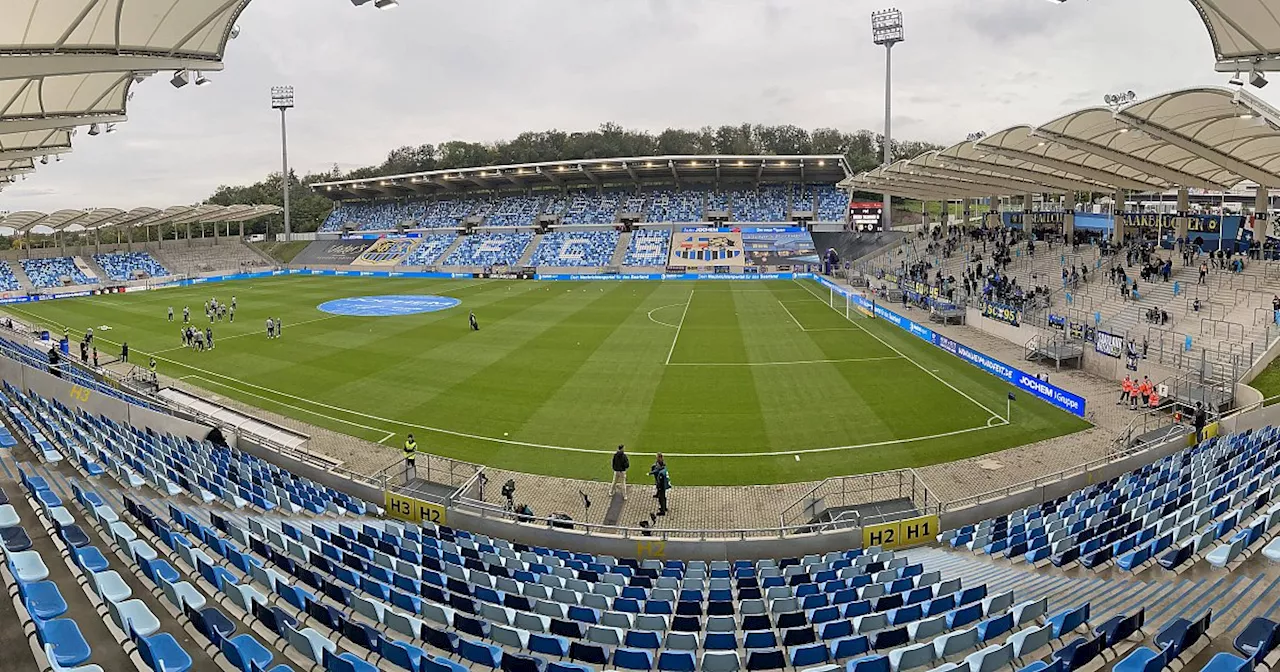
(449, 250)
(23, 280)
(1234, 599)
(528, 251)
(110, 648)
(93, 265)
(620, 252)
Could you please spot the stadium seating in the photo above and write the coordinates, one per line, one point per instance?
(49, 272)
(515, 211)
(376, 215)
(490, 249)
(648, 247)
(447, 213)
(674, 206)
(428, 250)
(717, 201)
(833, 204)
(569, 248)
(803, 197)
(8, 281)
(767, 204)
(588, 207)
(122, 266)
(1171, 512)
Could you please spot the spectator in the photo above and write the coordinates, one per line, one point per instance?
(661, 483)
(1199, 419)
(621, 463)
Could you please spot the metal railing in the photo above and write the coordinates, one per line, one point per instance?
(839, 493)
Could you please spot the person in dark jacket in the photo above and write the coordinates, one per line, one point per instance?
(1201, 419)
(661, 483)
(621, 463)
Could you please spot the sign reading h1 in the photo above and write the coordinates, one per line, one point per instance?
(901, 533)
(415, 510)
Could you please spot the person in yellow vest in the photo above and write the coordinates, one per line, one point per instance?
(410, 459)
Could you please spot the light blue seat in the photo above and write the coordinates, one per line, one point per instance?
(109, 586)
(28, 567)
(911, 657)
(1143, 659)
(135, 615)
(55, 667)
(990, 659)
(1224, 554)
(9, 516)
(954, 642)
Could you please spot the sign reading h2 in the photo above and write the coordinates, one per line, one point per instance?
(414, 510)
(901, 533)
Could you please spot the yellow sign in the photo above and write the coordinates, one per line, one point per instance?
(901, 533)
(79, 393)
(651, 549)
(415, 510)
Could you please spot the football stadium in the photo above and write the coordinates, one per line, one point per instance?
(719, 400)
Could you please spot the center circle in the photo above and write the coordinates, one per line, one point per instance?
(388, 305)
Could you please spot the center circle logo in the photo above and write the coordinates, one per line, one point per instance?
(388, 305)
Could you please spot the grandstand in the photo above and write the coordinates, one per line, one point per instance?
(575, 248)
(490, 249)
(121, 266)
(428, 250)
(648, 247)
(8, 280)
(49, 272)
(576, 193)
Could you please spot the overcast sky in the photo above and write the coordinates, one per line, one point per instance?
(368, 81)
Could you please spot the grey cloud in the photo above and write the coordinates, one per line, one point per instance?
(370, 81)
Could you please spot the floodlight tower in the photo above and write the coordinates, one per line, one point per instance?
(886, 29)
(282, 99)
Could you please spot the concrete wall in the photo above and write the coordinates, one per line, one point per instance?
(655, 546)
(52, 387)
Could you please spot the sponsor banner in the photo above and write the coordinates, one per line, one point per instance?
(1109, 344)
(671, 276)
(1067, 401)
(1057, 322)
(332, 252)
(711, 248)
(385, 252)
(779, 245)
(522, 275)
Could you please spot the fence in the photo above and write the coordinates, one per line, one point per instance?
(839, 494)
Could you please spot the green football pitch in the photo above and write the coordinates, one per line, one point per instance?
(737, 382)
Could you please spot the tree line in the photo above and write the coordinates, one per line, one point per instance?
(862, 149)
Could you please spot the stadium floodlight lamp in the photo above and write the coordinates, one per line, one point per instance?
(44, 160)
(94, 130)
(109, 128)
(180, 79)
(201, 80)
(235, 31)
(886, 26)
(385, 4)
(976, 136)
(282, 97)
(1257, 79)
(1236, 80)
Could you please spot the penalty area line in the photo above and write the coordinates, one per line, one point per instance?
(680, 326)
(801, 361)
(886, 344)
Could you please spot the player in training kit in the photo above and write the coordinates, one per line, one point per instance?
(170, 313)
(475, 326)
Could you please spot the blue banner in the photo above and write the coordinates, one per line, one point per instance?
(1067, 401)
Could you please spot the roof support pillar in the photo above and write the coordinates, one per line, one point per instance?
(62, 243)
(964, 217)
(1261, 201)
(128, 238)
(1117, 224)
(1027, 200)
(97, 241)
(188, 234)
(242, 228)
(1069, 218)
(1184, 200)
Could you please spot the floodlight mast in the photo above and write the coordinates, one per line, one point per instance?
(282, 99)
(886, 29)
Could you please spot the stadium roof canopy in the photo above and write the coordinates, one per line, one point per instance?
(69, 63)
(633, 171)
(1207, 138)
(1245, 33)
(101, 218)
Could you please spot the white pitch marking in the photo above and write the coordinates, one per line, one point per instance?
(680, 326)
(665, 324)
(526, 444)
(791, 315)
(917, 364)
(801, 361)
(296, 408)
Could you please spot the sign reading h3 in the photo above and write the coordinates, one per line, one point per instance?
(414, 510)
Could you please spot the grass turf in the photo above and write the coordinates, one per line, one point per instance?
(732, 380)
